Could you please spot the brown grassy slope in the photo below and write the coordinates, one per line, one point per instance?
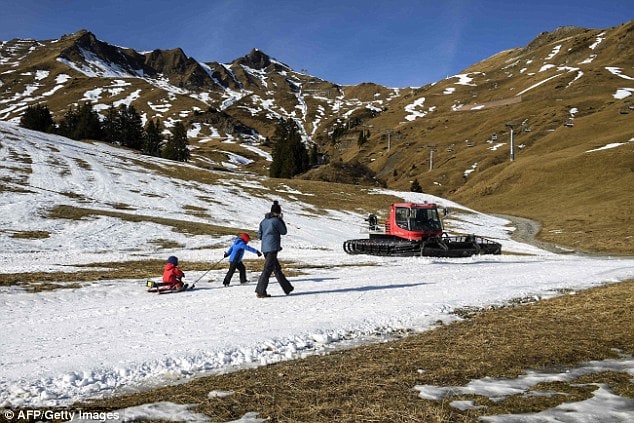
(553, 179)
(376, 382)
(583, 199)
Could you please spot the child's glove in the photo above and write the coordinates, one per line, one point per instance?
(225, 255)
(259, 254)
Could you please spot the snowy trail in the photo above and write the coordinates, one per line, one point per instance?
(114, 336)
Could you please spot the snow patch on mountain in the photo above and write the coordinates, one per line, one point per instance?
(618, 72)
(414, 109)
(94, 66)
(622, 93)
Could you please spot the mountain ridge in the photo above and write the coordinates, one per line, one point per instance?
(567, 92)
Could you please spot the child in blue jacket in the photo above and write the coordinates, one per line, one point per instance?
(235, 254)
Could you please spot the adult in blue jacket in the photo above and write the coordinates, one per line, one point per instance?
(272, 227)
(235, 254)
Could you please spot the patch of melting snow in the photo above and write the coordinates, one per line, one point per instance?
(604, 405)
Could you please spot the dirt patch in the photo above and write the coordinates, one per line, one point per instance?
(527, 231)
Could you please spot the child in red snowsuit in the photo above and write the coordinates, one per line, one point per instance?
(172, 274)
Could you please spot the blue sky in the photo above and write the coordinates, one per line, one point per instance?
(397, 43)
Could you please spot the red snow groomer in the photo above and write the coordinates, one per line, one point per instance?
(415, 229)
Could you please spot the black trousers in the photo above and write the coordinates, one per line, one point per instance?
(232, 269)
(272, 266)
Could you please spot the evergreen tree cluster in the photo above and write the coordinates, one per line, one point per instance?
(176, 146)
(290, 156)
(415, 186)
(81, 123)
(121, 126)
(38, 118)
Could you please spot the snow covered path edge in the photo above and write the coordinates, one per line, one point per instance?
(114, 337)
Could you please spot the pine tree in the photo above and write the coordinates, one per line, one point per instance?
(290, 157)
(89, 124)
(415, 187)
(81, 123)
(277, 160)
(68, 123)
(152, 139)
(38, 118)
(299, 153)
(131, 127)
(314, 156)
(176, 146)
(112, 126)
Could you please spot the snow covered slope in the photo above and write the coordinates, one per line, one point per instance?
(112, 336)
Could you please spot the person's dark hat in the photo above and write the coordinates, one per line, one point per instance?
(173, 260)
(275, 208)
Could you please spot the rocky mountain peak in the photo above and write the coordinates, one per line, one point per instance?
(75, 35)
(84, 48)
(549, 37)
(256, 59)
(174, 60)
